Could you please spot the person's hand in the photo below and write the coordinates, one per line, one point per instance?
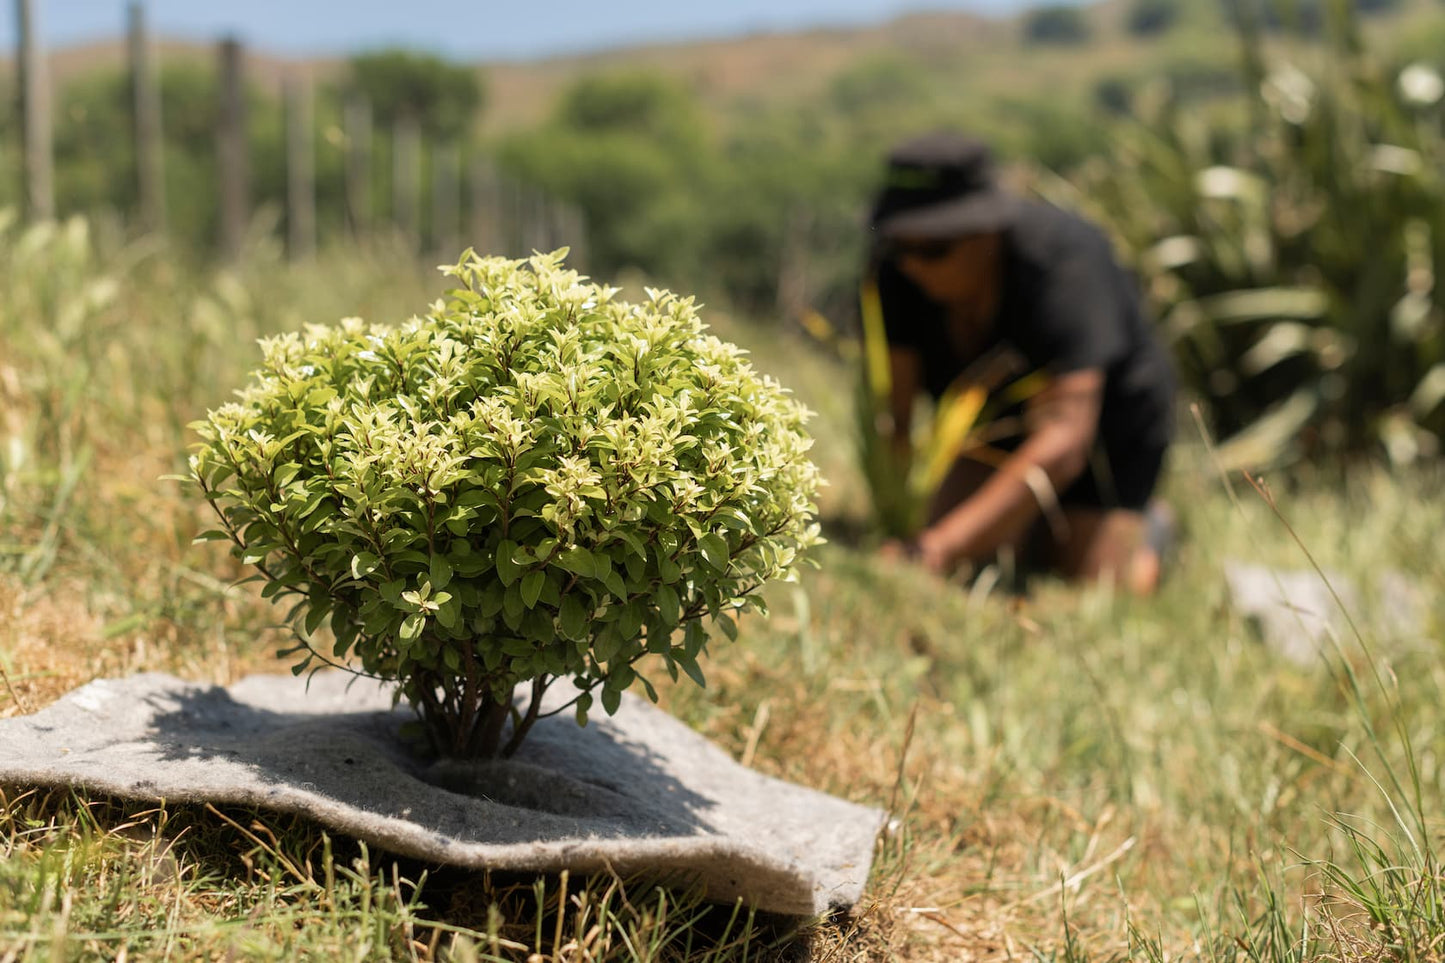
(922, 549)
(931, 553)
(897, 550)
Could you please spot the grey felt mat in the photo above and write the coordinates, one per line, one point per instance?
(638, 792)
(1299, 616)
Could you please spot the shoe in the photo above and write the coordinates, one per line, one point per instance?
(1150, 563)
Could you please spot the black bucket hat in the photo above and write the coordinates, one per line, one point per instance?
(938, 185)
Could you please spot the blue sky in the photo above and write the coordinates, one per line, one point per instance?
(479, 30)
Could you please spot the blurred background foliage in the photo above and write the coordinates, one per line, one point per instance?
(1277, 185)
(444, 98)
(1292, 245)
(1059, 24)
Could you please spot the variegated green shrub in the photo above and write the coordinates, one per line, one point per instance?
(534, 480)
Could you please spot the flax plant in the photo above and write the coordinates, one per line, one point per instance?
(1293, 249)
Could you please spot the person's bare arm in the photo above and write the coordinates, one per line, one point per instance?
(1062, 422)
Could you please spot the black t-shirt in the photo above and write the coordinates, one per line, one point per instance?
(1065, 305)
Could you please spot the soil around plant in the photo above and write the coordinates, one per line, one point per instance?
(636, 793)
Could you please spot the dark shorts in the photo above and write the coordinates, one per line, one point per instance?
(1124, 479)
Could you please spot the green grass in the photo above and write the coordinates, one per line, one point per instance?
(1077, 776)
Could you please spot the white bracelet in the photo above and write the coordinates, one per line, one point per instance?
(1044, 493)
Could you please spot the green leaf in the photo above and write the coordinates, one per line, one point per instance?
(694, 672)
(633, 543)
(693, 638)
(729, 627)
(315, 615)
(733, 520)
(715, 549)
(411, 627)
(630, 622)
(669, 606)
(614, 584)
(518, 647)
(450, 611)
(606, 644)
(376, 619)
(512, 605)
(552, 589)
(532, 587)
(441, 571)
(491, 601)
(507, 568)
(573, 618)
(345, 635)
(538, 624)
(363, 564)
(578, 561)
(584, 702)
(648, 688)
(611, 700)
(601, 565)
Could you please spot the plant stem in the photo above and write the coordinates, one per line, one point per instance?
(524, 725)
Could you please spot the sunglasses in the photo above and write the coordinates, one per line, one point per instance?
(927, 250)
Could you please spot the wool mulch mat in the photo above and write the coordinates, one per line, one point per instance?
(634, 793)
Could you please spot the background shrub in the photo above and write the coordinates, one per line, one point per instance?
(1060, 24)
(1149, 18)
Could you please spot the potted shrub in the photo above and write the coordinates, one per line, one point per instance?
(532, 481)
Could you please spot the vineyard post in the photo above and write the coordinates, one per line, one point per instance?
(483, 226)
(406, 178)
(146, 117)
(357, 124)
(300, 168)
(37, 171)
(232, 163)
(446, 197)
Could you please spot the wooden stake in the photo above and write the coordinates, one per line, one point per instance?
(446, 200)
(300, 168)
(574, 235)
(232, 162)
(406, 179)
(146, 115)
(357, 124)
(37, 169)
(484, 225)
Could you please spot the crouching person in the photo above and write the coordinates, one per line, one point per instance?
(983, 290)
